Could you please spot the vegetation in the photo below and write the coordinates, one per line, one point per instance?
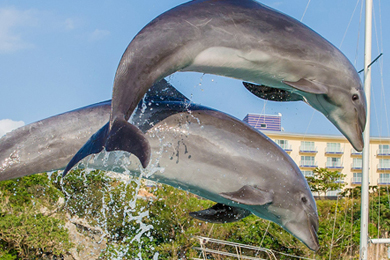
(25, 231)
(325, 180)
(32, 220)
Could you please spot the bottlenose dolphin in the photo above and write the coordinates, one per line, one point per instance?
(194, 148)
(239, 39)
(50, 144)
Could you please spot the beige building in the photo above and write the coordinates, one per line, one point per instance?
(327, 151)
(336, 153)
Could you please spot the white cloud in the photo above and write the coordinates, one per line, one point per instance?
(69, 24)
(11, 23)
(98, 35)
(276, 4)
(7, 125)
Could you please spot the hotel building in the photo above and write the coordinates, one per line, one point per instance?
(327, 151)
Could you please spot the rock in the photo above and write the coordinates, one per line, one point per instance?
(88, 245)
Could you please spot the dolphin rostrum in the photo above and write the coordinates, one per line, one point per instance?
(239, 39)
(194, 148)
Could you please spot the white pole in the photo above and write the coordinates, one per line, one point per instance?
(366, 150)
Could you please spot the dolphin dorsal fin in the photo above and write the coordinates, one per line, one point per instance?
(249, 195)
(272, 94)
(221, 213)
(163, 91)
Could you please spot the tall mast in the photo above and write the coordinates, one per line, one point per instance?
(366, 150)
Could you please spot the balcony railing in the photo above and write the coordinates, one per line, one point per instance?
(383, 152)
(383, 167)
(308, 164)
(356, 180)
(384, 181)
(286, 147)
(334, 166)
(333, 151)
(308, 149)
(354, 152)
(356, 166)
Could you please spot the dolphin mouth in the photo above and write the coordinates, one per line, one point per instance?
(352, 131)
(313, 227)
(359, 143)
(316, 243)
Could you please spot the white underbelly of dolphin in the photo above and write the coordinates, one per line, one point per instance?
(253, 65)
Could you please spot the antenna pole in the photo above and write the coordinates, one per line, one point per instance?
(366, 150)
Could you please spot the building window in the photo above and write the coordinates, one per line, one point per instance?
(357, 163)
(308, 173)
(307, 161)
(357, 178)
(384, 178)
(283, 144)
(384, 164)
(307, 147)
(384, 149)
(333, 162)
(333, 148)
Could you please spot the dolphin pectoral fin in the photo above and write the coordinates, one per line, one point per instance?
(94, 145)
(221, 213)
(249, 195)
(272, 94)
(124, 136)
(308, 86)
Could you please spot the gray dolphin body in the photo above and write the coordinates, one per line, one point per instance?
(239, 39)
(194, 148)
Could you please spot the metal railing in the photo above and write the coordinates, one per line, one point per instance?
(286, 147)
(383, 152)
(237, 246)
(355, 166)
(356, 180)
(329, 150)
(310, 164)
(308, 149)
(383, 167)
(354, 152)
(334, 165)
(384, 181)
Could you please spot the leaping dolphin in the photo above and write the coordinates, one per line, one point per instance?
(194, 148)
(239, 39)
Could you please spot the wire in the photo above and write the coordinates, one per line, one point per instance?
(352, 225)
(307, 6)
(350, 20)
(379, 210)
(334, 227)
(357, 44)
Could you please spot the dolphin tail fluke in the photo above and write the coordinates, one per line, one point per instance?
(94, 145)
(124, 136)
(220, 213)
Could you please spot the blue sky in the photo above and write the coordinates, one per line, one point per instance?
(56, 56)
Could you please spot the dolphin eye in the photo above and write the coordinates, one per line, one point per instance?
(304, 200)
(355, 97)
